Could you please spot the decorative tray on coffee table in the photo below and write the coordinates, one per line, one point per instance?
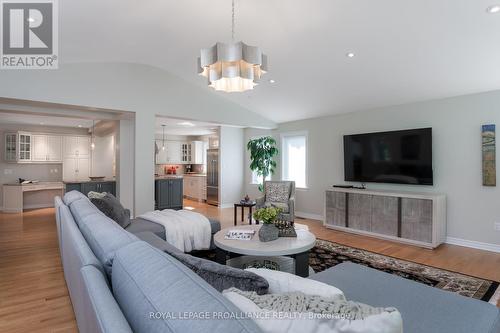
(285, 228)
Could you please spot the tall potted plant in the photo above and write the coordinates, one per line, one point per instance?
(262, 153)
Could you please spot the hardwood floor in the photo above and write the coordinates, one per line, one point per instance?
(34, 297)
(33, 293)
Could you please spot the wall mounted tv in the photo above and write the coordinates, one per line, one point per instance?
(401, 157)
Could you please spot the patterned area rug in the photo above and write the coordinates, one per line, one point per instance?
(328, 254)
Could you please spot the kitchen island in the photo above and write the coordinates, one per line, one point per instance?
(168, 192)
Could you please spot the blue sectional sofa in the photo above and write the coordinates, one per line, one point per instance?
(120, 283)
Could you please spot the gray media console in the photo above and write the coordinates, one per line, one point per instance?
(407, 217)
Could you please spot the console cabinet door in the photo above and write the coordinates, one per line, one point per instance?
(360, 211)
(385, 215)
(416, 219)
(335, 208)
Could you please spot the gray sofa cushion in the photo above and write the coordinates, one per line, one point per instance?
(146, 280)
(223, 277)
(138, 225)
(103, 235)
(112, 208)
(155, 241)
(423, 308)
(101, 313)
(72, 196)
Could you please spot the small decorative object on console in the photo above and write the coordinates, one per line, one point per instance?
(247, 198)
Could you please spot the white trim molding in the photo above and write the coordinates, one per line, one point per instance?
(473, 244)
(226, 205)
(310, 216)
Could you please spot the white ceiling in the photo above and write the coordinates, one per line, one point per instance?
(406, 50)
(184, 127)
(29, 119)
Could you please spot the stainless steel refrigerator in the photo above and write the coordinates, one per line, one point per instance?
(213, 176)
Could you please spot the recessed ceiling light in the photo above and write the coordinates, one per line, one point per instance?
(493, 9)
(186, 123)
(272, 81)
(80, 126)
(350, 55)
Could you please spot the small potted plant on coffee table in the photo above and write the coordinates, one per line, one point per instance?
(268, 215)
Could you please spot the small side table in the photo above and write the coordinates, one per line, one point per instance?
(250, 205)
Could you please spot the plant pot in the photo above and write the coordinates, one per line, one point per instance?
(268, 232)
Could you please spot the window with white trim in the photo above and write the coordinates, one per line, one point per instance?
(294, 158)
(257, 179)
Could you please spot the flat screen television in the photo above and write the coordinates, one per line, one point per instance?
(401, 157)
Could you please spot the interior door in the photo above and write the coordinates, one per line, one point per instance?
(39, 148)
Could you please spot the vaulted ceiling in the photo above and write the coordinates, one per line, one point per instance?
(405, 50)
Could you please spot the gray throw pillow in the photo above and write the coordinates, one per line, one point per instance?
(112, 208)
(223, 277)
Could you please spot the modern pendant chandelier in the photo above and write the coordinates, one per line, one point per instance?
(232, 67)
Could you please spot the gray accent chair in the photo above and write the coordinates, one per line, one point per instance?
(280, 194)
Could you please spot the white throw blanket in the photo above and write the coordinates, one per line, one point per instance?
(184, 229)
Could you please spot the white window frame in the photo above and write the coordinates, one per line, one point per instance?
(282, 142)
(252, 173)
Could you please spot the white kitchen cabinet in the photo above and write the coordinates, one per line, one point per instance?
(76, 161)
(39, 148)
(11, 147)
(54, 148)
(76, 168)
(197, 152)
(25, 147)
(185, 152)
(195, 187)
(47, 148)
(77, 146)
(174, 152)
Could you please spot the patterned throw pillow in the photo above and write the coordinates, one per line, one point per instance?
(276, 192)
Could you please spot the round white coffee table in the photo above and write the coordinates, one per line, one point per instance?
(295, 247)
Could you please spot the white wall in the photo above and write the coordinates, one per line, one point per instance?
(456, 123)
(231, 171)
(103, 156)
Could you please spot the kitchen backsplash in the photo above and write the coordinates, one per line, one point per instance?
(161, 169)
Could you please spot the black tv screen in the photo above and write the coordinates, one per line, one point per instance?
(402, 157)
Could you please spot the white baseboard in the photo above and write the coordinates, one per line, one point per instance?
(46, 205)
(473, 244)
(309, 216)
(227, 205)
